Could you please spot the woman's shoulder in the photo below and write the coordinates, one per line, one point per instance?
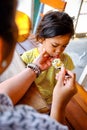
(25, 117)
(37, 121)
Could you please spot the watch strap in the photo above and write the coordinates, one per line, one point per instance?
(35, 68)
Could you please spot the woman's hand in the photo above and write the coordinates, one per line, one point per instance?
(43, 60)
(64, 90)
(65, 87)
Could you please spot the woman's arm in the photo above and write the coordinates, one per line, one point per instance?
(16, 86)
(63, 92)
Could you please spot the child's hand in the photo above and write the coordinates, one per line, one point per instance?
(43, 60)
(65, 87)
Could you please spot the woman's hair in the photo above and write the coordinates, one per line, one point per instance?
(53, 24)
(8, 28)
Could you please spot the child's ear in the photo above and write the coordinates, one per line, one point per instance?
(41, 40)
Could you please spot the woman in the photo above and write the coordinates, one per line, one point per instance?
(23, 117)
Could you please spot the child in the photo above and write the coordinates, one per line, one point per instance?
(54, 32)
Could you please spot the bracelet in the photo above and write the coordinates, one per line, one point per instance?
(35, 68)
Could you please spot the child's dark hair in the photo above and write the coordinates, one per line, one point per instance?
(53, 24)
(8, 29)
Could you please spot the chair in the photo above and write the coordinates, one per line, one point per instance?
(24, 25)
(57, 4)
(83, 78)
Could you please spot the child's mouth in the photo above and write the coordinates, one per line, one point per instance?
(55, 56)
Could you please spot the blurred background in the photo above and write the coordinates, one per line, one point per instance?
(28, 15)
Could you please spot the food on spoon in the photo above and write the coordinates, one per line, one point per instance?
(57, 63)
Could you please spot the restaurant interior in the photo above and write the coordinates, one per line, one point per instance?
(29, 13)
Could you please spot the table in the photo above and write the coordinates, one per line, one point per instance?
(33, 98)
(76, 110)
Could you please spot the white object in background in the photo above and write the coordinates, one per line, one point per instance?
(83, 78)
(26, 6)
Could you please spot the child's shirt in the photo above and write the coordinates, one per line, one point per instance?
(46, 81)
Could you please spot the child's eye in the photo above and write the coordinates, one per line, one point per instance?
(54, 45)
(65, 46)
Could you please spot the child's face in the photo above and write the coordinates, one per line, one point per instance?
(56, 45)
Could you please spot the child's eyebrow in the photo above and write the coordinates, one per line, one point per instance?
(66, 44)
(58, 43)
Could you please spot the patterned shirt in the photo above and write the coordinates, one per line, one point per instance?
(23, 117)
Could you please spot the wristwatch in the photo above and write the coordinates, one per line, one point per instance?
(35, 68)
